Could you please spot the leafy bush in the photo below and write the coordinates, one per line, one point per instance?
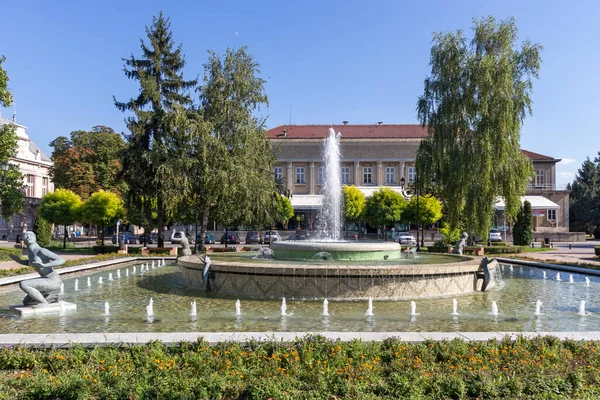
(134, 250)
(439, 247)
(105, 249)
(449, 236)
(499, 244)
(224, 249)
(43, 231)
(157, 251)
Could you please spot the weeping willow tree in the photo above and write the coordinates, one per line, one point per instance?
(474, 103)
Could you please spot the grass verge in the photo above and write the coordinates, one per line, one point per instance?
(4, 273)
(309, 368)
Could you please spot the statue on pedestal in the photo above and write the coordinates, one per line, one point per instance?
(458, 249)
(43, 290)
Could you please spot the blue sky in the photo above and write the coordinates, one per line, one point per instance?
(328, 61)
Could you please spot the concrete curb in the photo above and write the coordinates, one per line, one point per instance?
(78, 268)
(67, 340)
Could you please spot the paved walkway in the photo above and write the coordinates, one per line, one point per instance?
(581, 252)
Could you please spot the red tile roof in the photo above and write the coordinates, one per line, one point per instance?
(350, 131)
(537, 157)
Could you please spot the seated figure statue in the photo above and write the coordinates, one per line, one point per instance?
(458, 249)
(185, 246)
(40, 290)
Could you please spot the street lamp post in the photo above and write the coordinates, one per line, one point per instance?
(415, 192)
(4, 167)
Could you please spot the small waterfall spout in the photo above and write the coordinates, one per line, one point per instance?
(283, 307)
(194, 312)
(571, 278)
(582, 308)
(110, 277)
(89, 281)
(413, 308)
(454, 307)
(150, 308)
(494, 308)
(76, 285)
(106, 309)
(558, 276)
(238, 308)
(587, 281)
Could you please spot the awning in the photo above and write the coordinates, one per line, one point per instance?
(537, 203)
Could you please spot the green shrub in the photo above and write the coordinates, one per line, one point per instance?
(158, 251)
(439, 247)
(43, 231)
(105, 249)
(499, 244)
(597, 250)
(134, 250)
(224, 249)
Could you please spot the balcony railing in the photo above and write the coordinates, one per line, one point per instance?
(545, 186)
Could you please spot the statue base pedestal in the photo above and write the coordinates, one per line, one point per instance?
(53, 308)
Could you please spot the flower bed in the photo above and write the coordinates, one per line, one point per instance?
(310, 368)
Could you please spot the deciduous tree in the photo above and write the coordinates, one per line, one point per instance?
(148, 158)
(473, 104)
(61, 208)
(384, 208)
(584, 201)
(102, 208)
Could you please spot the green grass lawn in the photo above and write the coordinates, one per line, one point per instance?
(310, 368)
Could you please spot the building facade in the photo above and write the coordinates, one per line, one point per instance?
(381, 155)
(35, 167)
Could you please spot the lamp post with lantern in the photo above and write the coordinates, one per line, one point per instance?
(415, 191)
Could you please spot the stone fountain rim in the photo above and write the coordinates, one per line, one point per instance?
(336, 246)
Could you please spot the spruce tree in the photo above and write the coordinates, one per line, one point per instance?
(523, 225)
(147, 162)
(584, 202)
(43, 231)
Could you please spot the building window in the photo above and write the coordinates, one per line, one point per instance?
(390, 175)
(321, 176)
(29, 188)
(300, 176)
(346, 175)
(412, 174)
(552, 215)
(44, 186)
(278, 172)
(540, 176)
(367, 175)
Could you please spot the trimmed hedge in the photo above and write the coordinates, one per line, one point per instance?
(224, 249)
(159, 251)
(105, 249)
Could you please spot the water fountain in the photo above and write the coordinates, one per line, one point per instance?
(413, 308)
(76, 288)
(89, 282)
(283, 307)
(62, 308)
(558, 276)
(587, 281)
(582, 308)
(238, 308)
(106, 309)
(110, 276)
(333, 268)
(454, 307)
(544, 274)
(100, 280)
(153, 264)
(194, 311)
(118, 274)
(150, 308)
(127, 272)
(494, 308)
(325, 308)
(571, 278)
(133, 270)
(370, 308)
(62, 288)
(538, 306)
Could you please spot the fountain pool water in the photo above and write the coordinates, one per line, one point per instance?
(128, 297)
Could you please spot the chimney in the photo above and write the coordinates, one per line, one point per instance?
(345, 122)
(379, 122)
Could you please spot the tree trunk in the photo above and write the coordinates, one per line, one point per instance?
(159, 221)
(65, 238)
(102, 234)
(203, 227)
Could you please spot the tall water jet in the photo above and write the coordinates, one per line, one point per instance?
(283, 307)
(538, 306)
(163, 262)
(370, 308)
(558, 276)
(194, 311)
(511, 268)
(545, 276)
(133, 269)
(76, 285)
(106, 309)
(587, 281)
(581, 307)
(118, 274)
(150, 308)
(89, 281)
(62, 288)
(127, 272)
(325, 308)
(110, 277)
(330, 216)
(413, 308)
(571, 278)
(153, 267)
(238, 308)
(100, 280)
(454, 307)
(494, 308)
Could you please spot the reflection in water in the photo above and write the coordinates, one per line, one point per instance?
(128, 297)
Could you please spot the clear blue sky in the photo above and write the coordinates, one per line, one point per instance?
(328, 60)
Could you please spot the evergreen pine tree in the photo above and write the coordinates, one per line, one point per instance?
(146, 163)
(523, 225)
(584, 202)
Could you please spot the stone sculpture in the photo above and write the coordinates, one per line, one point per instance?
(458, 249)
(206, 261)
(43, 290)
(487, 272)
(185, 246)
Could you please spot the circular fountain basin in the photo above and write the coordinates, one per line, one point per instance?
(336, 251)
(406, 278)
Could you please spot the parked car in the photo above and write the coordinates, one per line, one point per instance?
(272, 236)
(405, 238)
(495, 235)
(350, 235)
(150, 238)
(208, 239)
(253, 237)
(231, 238)
(127, 237)
(302, 234)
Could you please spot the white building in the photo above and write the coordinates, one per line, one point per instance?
(35, 167)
